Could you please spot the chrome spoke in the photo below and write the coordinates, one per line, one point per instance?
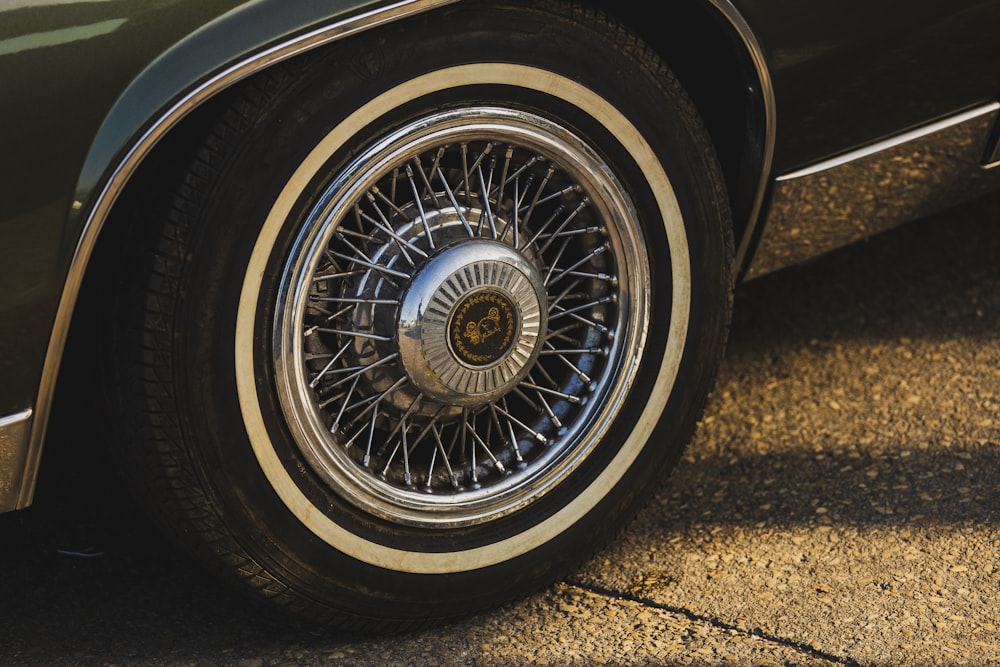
(541, 400)
(362, 260)
(562, 226)
(512, 224)
(538, 193)
(567, 294)
(354, 334)
(552, 392)
(454, 203)
(405, 246)
(508, 433)
(418, 200)
(560, 355)
(576, 309)
(555, 261)
(428, 190)
(372, 407)
(580, 262)
(557, 213)
(326, 369)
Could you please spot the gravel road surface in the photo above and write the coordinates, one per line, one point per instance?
(838, 506)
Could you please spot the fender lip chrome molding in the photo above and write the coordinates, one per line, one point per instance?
(853, 196)
(768, 130)
(23, 490)
(14, 430)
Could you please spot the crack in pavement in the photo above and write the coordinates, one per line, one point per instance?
(714, 622)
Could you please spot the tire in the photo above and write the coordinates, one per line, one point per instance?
(378, 397)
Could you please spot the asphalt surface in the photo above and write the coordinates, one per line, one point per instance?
(839, 505)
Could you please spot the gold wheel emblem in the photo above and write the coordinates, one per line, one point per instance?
(483, 328)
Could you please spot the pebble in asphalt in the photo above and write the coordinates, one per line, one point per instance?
(837, 506)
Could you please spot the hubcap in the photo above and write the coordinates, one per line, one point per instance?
(471, 324)
(457, 319)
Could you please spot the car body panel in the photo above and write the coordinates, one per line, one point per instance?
(49, 54)
(64, 170)
(848, 74)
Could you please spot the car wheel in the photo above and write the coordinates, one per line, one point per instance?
(427, 314)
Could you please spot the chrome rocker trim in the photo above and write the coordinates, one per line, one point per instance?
(14, 450)
(856, 195)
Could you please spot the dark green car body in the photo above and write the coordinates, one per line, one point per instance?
(90, 87)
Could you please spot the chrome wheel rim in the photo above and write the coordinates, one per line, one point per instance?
(460, 316)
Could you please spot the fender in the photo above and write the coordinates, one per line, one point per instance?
(225, 50)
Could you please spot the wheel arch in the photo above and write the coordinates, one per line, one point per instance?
(149, 114)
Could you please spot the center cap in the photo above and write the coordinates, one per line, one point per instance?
(472, 323)
(483, 327)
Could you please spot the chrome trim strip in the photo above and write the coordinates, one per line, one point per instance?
(753, 47)
(130, 162)
(889, 144)
(14, 451)
(861, 193)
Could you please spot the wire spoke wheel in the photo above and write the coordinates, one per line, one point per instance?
(457, 314)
